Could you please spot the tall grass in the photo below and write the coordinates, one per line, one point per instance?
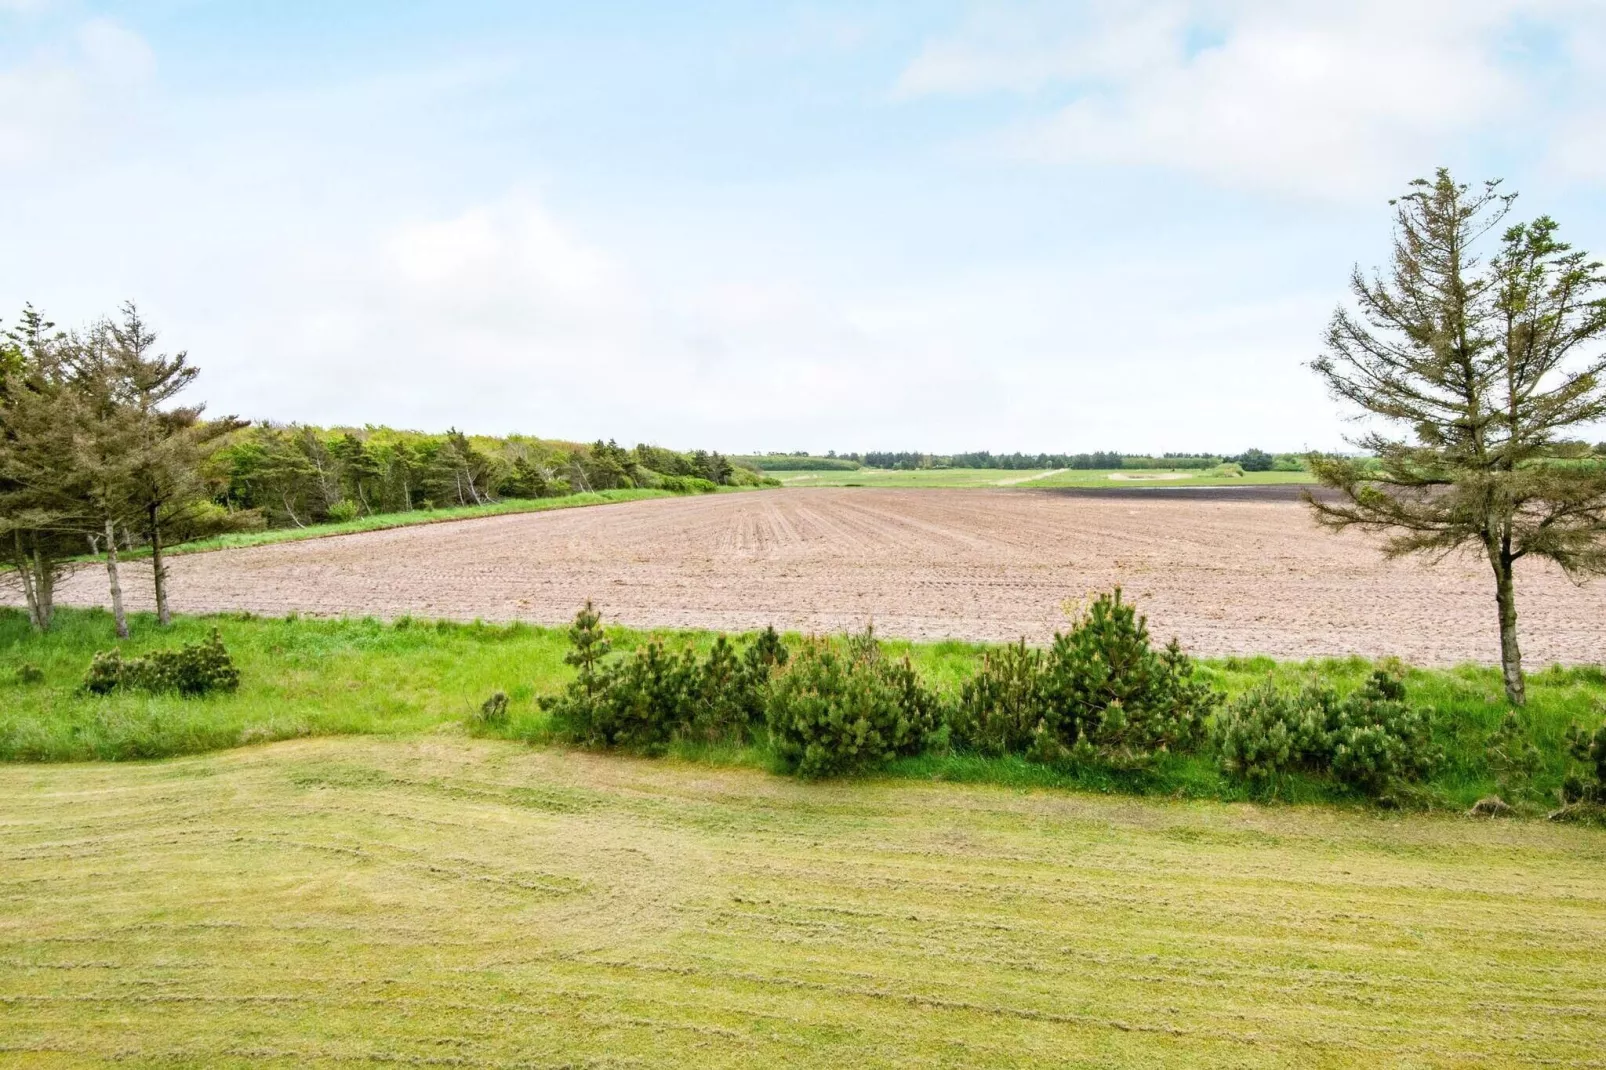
(302, 676)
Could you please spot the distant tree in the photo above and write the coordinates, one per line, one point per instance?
(1253, 460)
(360, 470)
(167, 488)
(43, 499)
(1485, 364)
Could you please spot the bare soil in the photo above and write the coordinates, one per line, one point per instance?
(1227, 574)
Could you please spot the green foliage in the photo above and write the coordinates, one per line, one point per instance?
(841, 707)
(190, 670)
(493, 712)
(1513, 757)
(297, 475)
(1110, 693)
(687, 485)
(1002, 709)
(651, 697)
(1100, 693)
(28, 674)
(1370, 741)
(1589, 748)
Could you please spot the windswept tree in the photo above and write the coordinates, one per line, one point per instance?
(1471, 372)
(167, 490)
(42, 495)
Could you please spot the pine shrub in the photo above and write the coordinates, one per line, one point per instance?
(1370, 741)
(1101, 692)
(493, 712)
(650, 697)
(191, 670)
(1113, 697)
(1589, 784)
(838, 708)
(1002, 709)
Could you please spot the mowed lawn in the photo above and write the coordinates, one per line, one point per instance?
(437, 900)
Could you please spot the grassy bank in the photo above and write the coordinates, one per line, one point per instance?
(1034, 480)
(382, 521)
(442, 901)
(304, 677)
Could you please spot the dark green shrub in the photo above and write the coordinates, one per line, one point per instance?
(688, 485)
(1002, 709)
(1589, 785)
(651, 697)
(1256, 736)
(841, 707)
(191, 670)
(28, 673)
(730, 690)
(493, 711)
(1112, 696)
(1370, 741)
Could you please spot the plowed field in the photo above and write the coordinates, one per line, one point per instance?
(1226, 576)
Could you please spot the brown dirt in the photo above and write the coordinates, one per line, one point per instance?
(1225, 576)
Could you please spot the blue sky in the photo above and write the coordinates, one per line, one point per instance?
(781, 226)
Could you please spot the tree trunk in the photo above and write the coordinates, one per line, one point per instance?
(118, 616)
(44, 588)
(1506, 599)
(159, 571)
(25, 574)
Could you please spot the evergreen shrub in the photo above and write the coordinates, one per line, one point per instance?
(192, 669)
(1588, 785)
(841, 707)
(1370, 741)
(1101, 692)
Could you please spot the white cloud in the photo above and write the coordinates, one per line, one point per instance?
(1323, 99)
(61, 101)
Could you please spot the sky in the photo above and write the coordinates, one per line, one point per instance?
(741, 226)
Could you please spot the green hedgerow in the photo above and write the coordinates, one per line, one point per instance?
(651, 696)
(192, 669)
(1002, 709)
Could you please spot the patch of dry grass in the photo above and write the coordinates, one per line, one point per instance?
(441, 901)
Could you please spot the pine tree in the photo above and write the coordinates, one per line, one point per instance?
(1485, 365)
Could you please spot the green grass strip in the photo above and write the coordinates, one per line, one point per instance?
(319, 677)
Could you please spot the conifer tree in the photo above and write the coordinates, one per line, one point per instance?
(1473, 372)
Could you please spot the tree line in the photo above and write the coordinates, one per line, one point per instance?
(298, 474)
(1251, 460)
(95, 454)
(99, 455)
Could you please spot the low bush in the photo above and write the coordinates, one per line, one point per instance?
(1513, 758)
(1003, 708)
(687, 485)
(1589, 784)
(651, 696)
(1369, 741)
(28, 673)
(1101, 692)
(343, 511)
(192, 669)
(842, 707)
(493, 711)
